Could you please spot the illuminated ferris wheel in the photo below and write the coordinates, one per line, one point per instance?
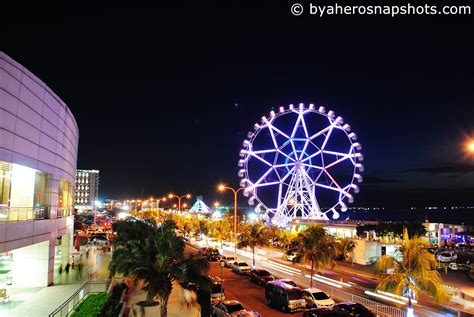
(301, 162)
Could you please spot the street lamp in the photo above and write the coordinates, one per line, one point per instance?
(179, 199)
(222, 188)
(470, 147)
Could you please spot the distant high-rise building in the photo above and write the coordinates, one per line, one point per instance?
(87, 189)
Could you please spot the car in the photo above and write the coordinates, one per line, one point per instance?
(213, 254)
(285, 297)
(241, 268)
(260, 276)
(446, 256)
(228, 260)
(316, 298)
(217, 293)
(227, 308)
(321, 312)
(352, 309)
(290, 256)
(203, 251)
(246, 313)
(288, 281)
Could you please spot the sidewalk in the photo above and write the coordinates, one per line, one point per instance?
(41, 301)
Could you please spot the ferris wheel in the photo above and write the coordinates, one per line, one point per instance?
(301, 162)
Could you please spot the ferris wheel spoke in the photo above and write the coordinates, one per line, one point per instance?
(326, 139)
(313, 166)
(339, 153)
(286, 155)
(251, 153)
(262, 151)
(275, 129)
(303, 123)
(332, 178)
(272, 134)
(290, 172)
(263, 177)
(318, 152)
(332, 188)
(326, 129)
(345, 157)
(264, 185)
(284, 165)
(303, 152)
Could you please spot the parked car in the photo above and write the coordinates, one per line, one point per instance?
(203, 251)
(246, 313)
(288, 281)
(227, 308)
(447, 256)
(260, 276)
(321, 312)
(285, 297)
(228, 260)
(317, 298)
(241, 268)
(290, 256)
(217, 292)
(213, 254)
(352, 309)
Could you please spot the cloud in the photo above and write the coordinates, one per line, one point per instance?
(444, 168)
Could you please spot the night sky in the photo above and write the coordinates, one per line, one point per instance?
(164, 96)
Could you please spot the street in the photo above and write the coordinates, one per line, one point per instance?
(250, 295)
(352, 289)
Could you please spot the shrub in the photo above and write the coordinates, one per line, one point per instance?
(91, 305)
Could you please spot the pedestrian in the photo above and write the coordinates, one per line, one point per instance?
(67, 267)
(79, 270)
(73, 266)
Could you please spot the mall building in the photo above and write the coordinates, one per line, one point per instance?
(38, 153)
(87, 190)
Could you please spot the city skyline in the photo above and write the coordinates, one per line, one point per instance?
(155, 116)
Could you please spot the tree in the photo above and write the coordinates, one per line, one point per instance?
(157, 260)
(314, 245)
(220, 230)
(412, 272)
(344, 246)
(273, 232)
(201, 226)
(252, 235)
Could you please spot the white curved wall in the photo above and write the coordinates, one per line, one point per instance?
(37, 130)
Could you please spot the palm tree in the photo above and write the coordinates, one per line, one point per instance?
(344, 246)
(220, 230)
(252, 235)
(158, 260)
(411, 272)
(273, 232)
(316, 246)
(201, 226)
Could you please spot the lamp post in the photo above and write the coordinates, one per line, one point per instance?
(221, 188)
(179, 199)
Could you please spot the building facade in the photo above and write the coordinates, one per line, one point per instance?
(38, 154)
(87, 189)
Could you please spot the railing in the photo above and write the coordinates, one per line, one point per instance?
(376, 307)
(15, 214)
(89, 287)
(63, 212)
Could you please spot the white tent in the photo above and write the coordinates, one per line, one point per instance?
(200, 207)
